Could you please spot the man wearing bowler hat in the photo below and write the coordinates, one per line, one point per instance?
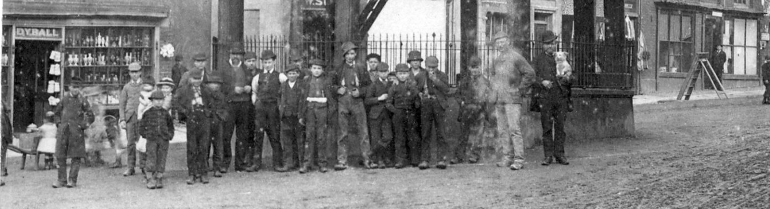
(350, 85)
(414, 59)
(266, 92)
(237, 102)
(128, 106)
(510, 77)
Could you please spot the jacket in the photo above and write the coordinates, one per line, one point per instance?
(403, 95)
(766, 73)
(292, 99)
(546, 70)
(182, 100)
(510, 77)
(234, 77)
(75, 116)
(328, 92)
(438, 88)
(359, 70)
(157, 124)
(376, 107)
(128, 100)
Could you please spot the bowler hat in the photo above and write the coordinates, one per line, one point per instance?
(268, 54)
(347, 46)
(249, 55)
(178, 57)
(318, 62)
(200, 57)
(383, 67)
(414, 56)
(166, 81)
(402, 67)
(157, 95)
(236, 49)
(431, 61)
(134, 66)
(547, 37)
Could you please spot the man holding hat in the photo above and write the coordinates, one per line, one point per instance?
(351, 85)
(553, 99)
(266, 92)
(199, 66)
(510, 76)
(433, 85)
(128, 101)
(76, 115)
(195, 102)
(380, 124)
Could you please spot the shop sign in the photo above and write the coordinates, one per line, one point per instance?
(766, 36)
(716, 14)
(39, 33)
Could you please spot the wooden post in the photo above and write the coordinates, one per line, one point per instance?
(230, 30)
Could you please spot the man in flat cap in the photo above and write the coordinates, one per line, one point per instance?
(195, 101)
(510, 77)
(266, 92)
(380, 124)
(403, 101)
(433, 85)
(351, 85)
(319, 103)
(244, 130)
(128, 106)
(199, 63)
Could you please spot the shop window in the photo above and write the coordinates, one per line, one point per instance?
(741, 46)
(675, 35)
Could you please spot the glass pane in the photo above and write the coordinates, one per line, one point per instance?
(663, 26)
(686, 58)
(739, 61)
(740, 32)
(751, 61)
(727, 33)
(751, 33)
(728, 67)
(675, 27)
(686, 28)
(663, 57)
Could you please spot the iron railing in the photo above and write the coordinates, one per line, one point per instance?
(595, 65)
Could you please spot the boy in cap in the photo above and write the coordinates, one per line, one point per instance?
(236, 103)
(166, 86)
(196, 103)
(199, 66)
(475, 112)
(372, 60)
(319, 103)
(219, 114)
(266, 92)
(75, 115)
(403, 103)
(433, 88)
(244, 134)
(380, 128)
(351, 84)
(157, 126)
(128, 110)
(291, 108)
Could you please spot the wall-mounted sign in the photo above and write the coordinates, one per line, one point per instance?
(39, 33)
(766, 36)
(716, 14)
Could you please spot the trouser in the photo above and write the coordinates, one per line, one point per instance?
(508, 118)
(157, 150)
(316, 141)
(132, 135)
(292, 139)
(352, 107)
(242, 120)
(267, 120)
(381, 132)
(197, 142)
(471, 132)
(74, 169)
(432, 117)
(552, 115)
(716, 76)
(767, 92)
(3, 154)
(216, 143)
(405, 131)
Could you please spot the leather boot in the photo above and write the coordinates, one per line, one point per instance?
(191, 180)
(204, 179)
(547, 161)
(72, 182)
(129, 172)
(159, 180)
(304, 168)
(150, 181)
(59, 184)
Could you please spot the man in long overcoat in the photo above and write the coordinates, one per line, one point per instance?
(75, 114)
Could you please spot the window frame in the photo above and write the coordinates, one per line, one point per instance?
(667, 56)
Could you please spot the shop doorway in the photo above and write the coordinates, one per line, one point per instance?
(712, 37)
(30, 98)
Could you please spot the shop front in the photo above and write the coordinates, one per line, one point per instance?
(44, 51)
(685, 30)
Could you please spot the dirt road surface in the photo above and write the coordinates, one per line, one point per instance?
(706, 157)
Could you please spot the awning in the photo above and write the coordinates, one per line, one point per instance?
(83, 9)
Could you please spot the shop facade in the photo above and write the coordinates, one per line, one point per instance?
(678, 31)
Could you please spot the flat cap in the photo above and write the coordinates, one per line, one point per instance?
(199, 57)
(134, 66)
(178, 57)
(383, 67)
(347, 46)
(318, 62)
(166, 81)
(431, 61)
(249, 55)
(157, 95)
(402, 67)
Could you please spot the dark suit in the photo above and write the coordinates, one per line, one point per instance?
(766, 79)
(292, 109)
(433, 105)
(554, 103)
(241, 113)
(718, 60)
(75, 114)
(380, 124)
(198, 125)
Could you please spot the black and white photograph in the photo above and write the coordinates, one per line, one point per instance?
(385, 104)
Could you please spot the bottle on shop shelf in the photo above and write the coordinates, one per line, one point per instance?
(115, 78)
(146, 40)
(99, 40)
(127, 58)
(89, 60)
(101, 60)
(5, 59)
(120, 40)
(75, 60)
(146, 58)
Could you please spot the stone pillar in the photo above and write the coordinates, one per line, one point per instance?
(345, 22)
(230, 30)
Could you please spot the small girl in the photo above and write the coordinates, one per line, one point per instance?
(47, 144)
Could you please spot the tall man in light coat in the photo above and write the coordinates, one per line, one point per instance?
(129, 118)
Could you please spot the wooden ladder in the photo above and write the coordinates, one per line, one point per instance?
(689, 83)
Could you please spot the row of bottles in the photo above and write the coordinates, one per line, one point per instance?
(114, 58)
(100, 77)
(99, 40)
